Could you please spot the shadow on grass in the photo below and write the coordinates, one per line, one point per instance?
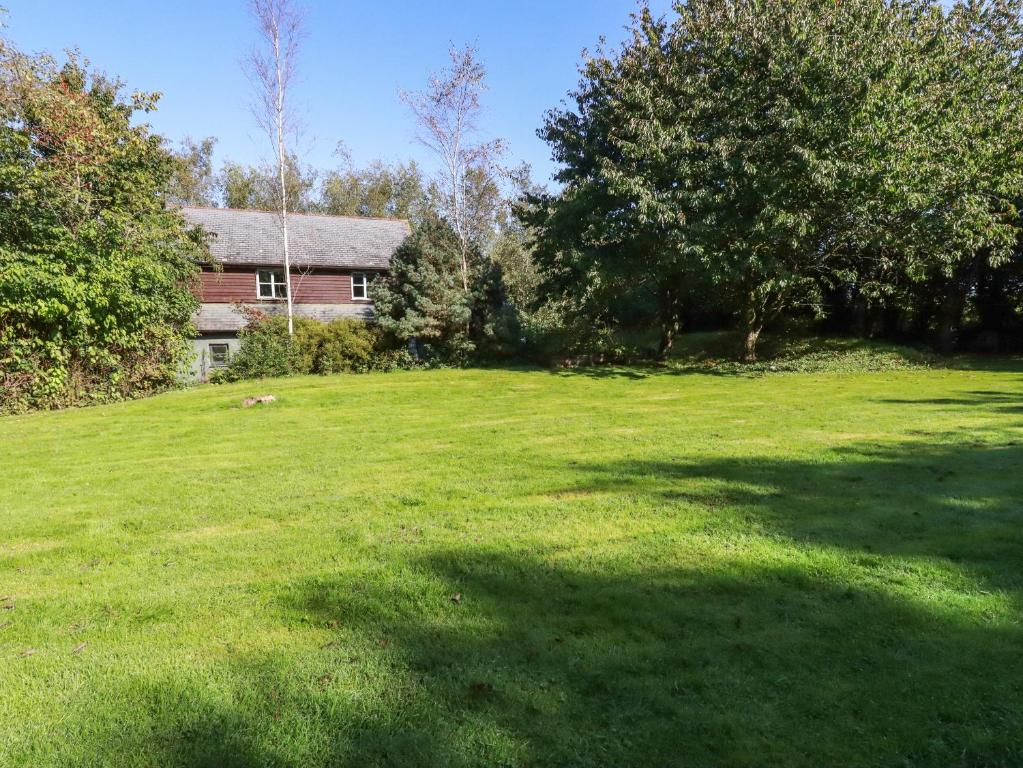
(879, 626)
(961, 504)
(541, 665)
(1001, 401)
(633, 372)
(641, 371)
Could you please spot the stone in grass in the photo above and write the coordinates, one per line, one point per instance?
(248, 402)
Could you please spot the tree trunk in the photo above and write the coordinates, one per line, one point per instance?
(750, 338)
(282, 165)
(752, 325)
(670, 311)
(951, 315)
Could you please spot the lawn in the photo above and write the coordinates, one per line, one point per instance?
(520, 568)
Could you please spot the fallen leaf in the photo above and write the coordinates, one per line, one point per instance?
(456, 598)
(79, 648)
(29, 652)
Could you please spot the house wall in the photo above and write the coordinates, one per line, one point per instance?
(201, 367)
(318, 286)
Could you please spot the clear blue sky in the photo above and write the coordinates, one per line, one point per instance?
(357, 55)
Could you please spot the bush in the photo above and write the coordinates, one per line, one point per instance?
(340, 346)
(266, 350)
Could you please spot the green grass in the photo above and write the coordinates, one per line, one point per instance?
(654, 568)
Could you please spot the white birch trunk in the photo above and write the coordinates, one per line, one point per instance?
(282, 173)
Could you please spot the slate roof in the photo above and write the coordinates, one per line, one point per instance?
(344, 242)
(226, 317)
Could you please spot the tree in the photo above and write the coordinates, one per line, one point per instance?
(95, 300)
(193, 181)
(271, 68)
(612, 237)
(422, 298)
(511, 249)
(448, 113)
(955, 178)
(258, 187)
(378, 190)
(772, 153)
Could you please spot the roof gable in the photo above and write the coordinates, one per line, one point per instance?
(343, 242)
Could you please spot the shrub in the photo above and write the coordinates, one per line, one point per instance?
(340, 346)
(266, 350)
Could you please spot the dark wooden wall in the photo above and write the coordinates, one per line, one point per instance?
(318, 286)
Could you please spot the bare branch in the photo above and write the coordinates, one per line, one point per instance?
(448, 112)
(271, 68)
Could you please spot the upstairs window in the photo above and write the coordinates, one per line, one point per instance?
(270, 284)
(360, 285)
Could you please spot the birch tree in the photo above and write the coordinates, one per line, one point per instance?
(271, 69)
(448, 113)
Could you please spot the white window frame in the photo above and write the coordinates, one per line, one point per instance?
(278, 285)
(227, 354)
(364, 284)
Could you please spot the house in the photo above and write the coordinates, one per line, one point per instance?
(333, 258)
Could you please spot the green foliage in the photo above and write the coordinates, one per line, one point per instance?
(258, 188)
(380, 190)
(796, 353)
(95, 298)
(340, 346)
(422, 298)
(193, 181)
(266, 350)
(768, 153)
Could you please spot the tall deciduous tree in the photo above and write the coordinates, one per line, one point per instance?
(95, 299)
(776, 149)
(259, 187)
(448, 113)
(954, 179)
(378, 190)
(193, 181)
(271, 68)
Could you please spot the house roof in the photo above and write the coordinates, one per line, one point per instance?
(343, 242)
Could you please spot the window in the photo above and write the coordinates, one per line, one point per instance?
(360, 285)
(270, 284)
(219, 355)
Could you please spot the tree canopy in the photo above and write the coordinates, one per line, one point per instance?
(95, 302)
(773, 153)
